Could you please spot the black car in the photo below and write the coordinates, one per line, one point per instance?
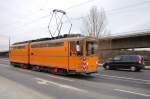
(132, 62)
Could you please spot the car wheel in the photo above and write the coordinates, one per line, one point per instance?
(133, 68)
(107, 67)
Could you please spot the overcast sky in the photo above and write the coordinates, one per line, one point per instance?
(28, 19)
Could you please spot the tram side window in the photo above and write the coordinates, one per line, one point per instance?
(18, 47)
(91, 48)
(76, 48)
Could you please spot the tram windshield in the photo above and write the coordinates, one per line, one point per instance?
(91, 47)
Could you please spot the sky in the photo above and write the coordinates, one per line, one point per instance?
(28, 19)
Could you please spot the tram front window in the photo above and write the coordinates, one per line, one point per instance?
(91, 47)
(76, 48)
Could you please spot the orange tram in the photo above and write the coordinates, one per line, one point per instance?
(68, 54)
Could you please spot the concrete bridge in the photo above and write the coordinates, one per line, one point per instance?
(130, 41)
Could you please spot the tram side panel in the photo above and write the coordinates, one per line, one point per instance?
(53, 55)
(19, 54)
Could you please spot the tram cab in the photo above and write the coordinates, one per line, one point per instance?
(83, 56)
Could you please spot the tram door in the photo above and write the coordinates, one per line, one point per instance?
(76, 53)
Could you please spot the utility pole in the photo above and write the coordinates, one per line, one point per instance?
(9, 45)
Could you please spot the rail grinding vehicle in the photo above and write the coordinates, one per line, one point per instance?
(67, 54)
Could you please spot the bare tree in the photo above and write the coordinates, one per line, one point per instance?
(95, 23)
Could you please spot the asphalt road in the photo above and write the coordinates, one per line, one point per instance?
(121, 84)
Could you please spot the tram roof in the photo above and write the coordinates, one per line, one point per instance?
(57, 39)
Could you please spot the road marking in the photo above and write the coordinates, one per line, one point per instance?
(25, 70)
(126, 78)
(42, 82)
(4, 65)
(61, 78)
(132, 92)
(47, 82)
(4, 60)
(97, 74)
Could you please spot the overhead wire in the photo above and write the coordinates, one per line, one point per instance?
(129, 6)
(86, 2)
(107, 11)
